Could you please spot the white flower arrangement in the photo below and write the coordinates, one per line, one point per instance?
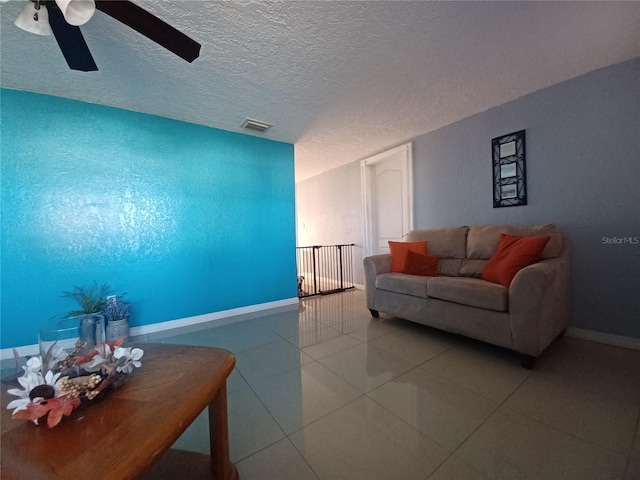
(64, 381)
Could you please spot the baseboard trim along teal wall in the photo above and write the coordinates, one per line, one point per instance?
(188, 220)
(214, 319)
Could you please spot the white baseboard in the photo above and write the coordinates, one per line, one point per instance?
(606, 338)
(218, 318)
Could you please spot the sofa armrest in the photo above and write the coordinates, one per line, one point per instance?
(540, 303)
(374, 266)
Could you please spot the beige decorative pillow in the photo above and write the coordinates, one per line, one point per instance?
(449, 266)
(472, 267)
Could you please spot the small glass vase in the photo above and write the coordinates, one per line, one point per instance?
(68, 333)
(117, 329)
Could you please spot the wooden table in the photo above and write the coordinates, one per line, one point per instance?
(122, 436)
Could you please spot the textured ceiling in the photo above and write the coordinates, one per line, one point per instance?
(340, 80)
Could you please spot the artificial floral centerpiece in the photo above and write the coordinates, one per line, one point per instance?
(73, 380)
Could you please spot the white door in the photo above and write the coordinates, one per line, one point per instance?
(387, 198)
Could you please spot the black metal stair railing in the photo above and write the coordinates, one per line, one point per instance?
(324, 269)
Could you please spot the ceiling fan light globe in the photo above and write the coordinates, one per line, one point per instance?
(77, 12)
(26, 22)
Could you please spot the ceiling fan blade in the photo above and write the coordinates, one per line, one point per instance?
(70, 41)
(151, 27)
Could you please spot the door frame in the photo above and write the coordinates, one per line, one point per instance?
(366, 168)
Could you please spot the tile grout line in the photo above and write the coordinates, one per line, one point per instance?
(492, 414)
(552, 427)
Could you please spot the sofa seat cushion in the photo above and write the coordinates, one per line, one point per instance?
(473, 292)
(413, 285)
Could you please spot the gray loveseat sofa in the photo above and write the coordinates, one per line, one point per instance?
(526, 317)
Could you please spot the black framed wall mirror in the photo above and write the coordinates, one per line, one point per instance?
(509, 172)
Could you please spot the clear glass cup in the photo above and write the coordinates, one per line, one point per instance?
(60, 335)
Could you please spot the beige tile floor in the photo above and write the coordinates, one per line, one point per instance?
(327, 392)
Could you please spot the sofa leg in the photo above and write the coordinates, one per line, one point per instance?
(374, 313)
(528, 362)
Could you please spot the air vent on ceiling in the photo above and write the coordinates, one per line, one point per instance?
(255, 125)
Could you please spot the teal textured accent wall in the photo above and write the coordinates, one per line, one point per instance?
(187, 219)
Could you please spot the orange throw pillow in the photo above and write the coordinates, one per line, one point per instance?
(513, 254)
(419, 264)
(399, 251)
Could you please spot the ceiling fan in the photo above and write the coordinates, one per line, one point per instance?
(63, 18)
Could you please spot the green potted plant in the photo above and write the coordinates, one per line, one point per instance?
(116, 315)
(92, 300)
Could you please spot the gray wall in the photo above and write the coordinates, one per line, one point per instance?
(329, 212)
(583, 174)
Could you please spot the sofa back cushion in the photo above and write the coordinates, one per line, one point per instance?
(482, 243)
(464, 251)
(450, 244)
